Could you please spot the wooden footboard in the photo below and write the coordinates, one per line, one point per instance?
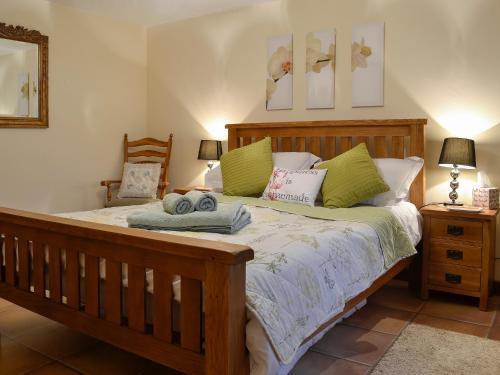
(96, 308)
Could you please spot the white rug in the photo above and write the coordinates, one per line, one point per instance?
(422, 350)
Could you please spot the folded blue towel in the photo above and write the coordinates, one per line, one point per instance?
(177, 204)
(203, 201)
(227, 219)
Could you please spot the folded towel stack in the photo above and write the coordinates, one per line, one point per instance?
(177, 204)
(227, 219)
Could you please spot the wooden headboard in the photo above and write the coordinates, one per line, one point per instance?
(396, 138)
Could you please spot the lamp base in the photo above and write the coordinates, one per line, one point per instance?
(453, 204)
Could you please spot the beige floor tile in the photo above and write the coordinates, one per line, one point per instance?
(318, 364)
(16, 320)
(452, 325)
(106, 359)
(355, 344)
(381, 319)
(396, 297)
(4, 304)
(55, 340)
(457, 310)
(54, 369)
(16, 359)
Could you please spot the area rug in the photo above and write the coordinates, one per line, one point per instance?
(422, 350)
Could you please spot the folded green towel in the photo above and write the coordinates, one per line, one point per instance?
(203, 201)
(177, 204)
(228, 219)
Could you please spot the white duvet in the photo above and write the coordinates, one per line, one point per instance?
(303, 273)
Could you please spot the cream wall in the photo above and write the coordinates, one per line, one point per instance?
(441, 63)
(97, 91)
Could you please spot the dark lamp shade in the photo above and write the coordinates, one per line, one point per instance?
(458, 151)
(210, 150)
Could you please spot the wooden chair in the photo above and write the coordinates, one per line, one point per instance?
(141, 155)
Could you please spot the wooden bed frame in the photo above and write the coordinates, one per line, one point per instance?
(215, 346)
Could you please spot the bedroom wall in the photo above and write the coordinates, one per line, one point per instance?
(441, 63)
(97, 81)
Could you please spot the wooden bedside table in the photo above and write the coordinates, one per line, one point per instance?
(184, 189)
(459, 251)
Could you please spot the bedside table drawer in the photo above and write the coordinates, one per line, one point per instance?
(455, 253)
(455, 277)
(461, 230)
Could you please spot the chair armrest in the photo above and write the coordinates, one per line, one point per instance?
(108, 183)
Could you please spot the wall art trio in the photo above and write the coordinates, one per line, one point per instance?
(367, 68)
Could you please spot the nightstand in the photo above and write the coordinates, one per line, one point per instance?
(184, 189)
(459, 251)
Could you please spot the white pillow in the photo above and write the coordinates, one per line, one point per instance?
(399, 175)
(140, 180)
(294, 160)
(294, 186)
(286, 160)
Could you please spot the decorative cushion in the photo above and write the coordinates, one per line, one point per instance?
(399, 175)
(294, 186)
(246, 170)
(140, 180)
(351, 178)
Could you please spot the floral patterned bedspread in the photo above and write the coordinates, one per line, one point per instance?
(304, 270)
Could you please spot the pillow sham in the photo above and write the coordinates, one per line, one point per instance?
(140, 180)
(246, 170)
(351, 178)
(294, 160)
(399, 174)
(286, 160)
(294, 186)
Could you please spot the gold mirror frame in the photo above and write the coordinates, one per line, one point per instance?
(22, 34)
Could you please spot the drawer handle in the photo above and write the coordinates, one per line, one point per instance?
(455, 254)
(453, 278)
(455, 230)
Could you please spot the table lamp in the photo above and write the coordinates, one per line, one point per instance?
(210, 150)
(457, 153)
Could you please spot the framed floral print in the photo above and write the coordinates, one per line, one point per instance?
(367, 65)
(320, 69)
(279, 82)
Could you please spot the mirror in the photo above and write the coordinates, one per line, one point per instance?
(23, 77)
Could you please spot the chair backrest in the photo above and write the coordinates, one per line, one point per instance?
(150, 150)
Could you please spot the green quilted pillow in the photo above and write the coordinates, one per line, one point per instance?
(352, 177)
(246, 170)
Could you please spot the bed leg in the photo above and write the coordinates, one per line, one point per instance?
(225, 320)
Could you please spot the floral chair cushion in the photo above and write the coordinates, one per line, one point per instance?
(140, 180)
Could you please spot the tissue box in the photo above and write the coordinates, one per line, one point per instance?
(485, 197)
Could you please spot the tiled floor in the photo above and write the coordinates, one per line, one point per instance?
(31, 344)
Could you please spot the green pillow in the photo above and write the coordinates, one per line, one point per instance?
(352, 177)
(246, 170)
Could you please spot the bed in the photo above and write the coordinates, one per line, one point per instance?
(212, 318)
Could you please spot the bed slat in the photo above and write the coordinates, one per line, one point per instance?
(345, 144)
(72, 279)
(136, 298)
(113, 292)
(247, 141)
(162, 306)
(2, 241)
(300, 144)
(92, 285)
(380, 147)
(398, 147)
(55, 273)
(330, 147)
(10, 260)
(360, 140)
(274, 144)
(286, 144)
(24, 263)
(191, 314)
(315, 145)
(39, 268)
